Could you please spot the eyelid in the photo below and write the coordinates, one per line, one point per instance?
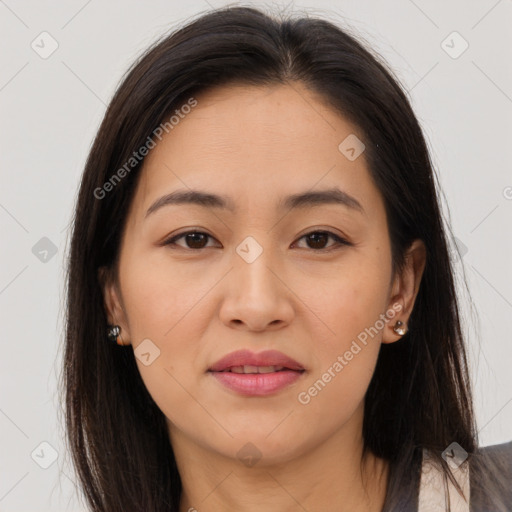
(172, 239)
(340, 240)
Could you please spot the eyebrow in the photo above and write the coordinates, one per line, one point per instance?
(294, 201)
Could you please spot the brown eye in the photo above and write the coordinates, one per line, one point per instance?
(317, 239)
(193, 240)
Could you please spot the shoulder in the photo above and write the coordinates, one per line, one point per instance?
(498, 455)
(491, 477)
(498, 449)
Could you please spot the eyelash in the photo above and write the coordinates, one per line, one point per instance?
(340, 241)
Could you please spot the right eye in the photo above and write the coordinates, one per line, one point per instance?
(195, 238)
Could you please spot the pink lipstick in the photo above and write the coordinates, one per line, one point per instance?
(256, 374)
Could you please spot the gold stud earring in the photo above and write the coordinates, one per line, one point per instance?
(400, 328)
(113, 332)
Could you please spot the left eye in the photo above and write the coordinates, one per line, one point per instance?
(197, 239)
(318, 237)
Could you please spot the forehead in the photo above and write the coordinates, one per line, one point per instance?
(248, 142)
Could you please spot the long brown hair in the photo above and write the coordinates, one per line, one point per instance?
(420, 394)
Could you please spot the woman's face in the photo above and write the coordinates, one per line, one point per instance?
(254, 277)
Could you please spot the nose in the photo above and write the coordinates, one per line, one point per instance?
(257, 296)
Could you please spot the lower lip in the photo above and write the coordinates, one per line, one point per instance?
(257, 384)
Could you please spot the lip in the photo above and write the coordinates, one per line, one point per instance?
(246, 357)
(257, 384)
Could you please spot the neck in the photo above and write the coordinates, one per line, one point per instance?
(329, 476)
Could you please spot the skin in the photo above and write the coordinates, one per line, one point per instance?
(256, 145)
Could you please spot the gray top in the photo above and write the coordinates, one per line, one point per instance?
(478, 501)
(481, 499)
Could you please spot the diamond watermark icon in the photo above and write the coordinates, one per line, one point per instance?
(455, 455)
(351, 147)
(44, 455)
(44, 45)
(44, 250)
(454, 45)
(146, 352)
(249, 454)
(249, 249)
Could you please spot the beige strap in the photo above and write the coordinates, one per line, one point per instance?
(432, 488)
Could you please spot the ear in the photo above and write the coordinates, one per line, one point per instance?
(112, 303)
(405, 289)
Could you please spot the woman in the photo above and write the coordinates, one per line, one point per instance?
(261, 307)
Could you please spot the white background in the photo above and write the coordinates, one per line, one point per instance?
(51, 109)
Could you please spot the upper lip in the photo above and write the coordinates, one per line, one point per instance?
(248, 358)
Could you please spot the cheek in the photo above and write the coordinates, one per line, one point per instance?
(158, 296)
(164, 309)
(349, 300)
(344, 364)
(349, 308)
(330, 399)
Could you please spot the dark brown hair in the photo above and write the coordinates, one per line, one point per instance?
(420, 394)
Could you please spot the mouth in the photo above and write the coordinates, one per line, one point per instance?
(256, 381)
(247, 362)
(250, 369)
(256, 374)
